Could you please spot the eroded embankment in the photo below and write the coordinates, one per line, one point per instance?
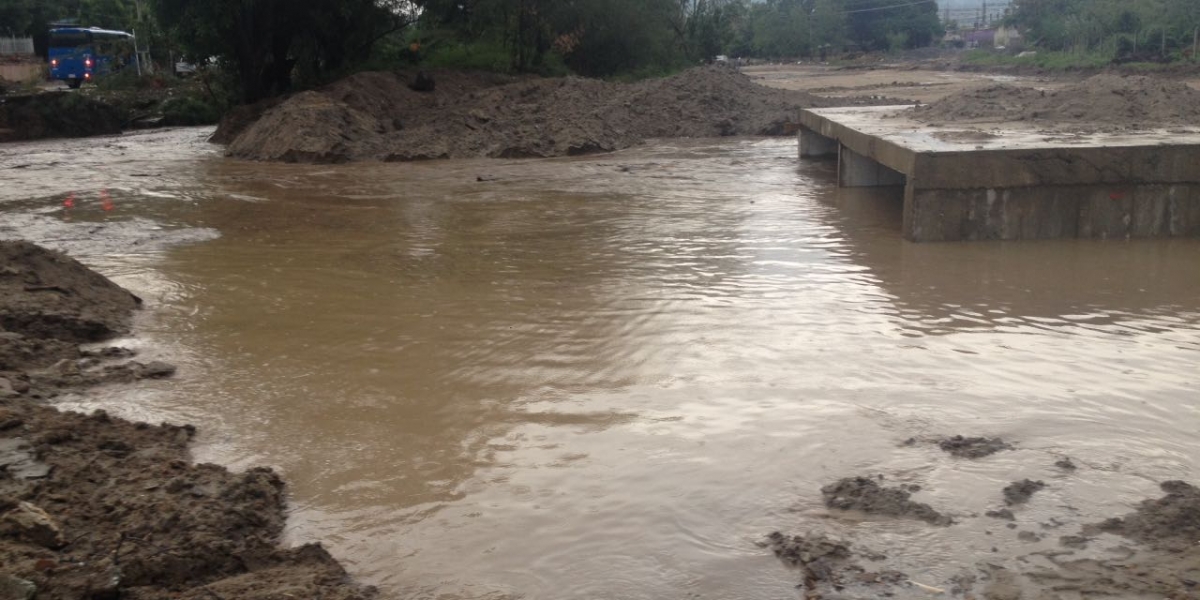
(97, 507)
(378, 116)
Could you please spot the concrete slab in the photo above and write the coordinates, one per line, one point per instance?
(1014, 180)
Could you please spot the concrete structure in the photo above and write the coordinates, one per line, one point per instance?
(968, 183)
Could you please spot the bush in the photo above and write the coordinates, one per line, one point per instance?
(189, 110)
(479, 56)
(128, 79)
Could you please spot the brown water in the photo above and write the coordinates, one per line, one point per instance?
(609, 377)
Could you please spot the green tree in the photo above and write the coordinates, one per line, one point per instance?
(263, 42)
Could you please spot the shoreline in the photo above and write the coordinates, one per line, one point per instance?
(102, 507)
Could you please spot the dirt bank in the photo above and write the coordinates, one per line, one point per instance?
(1103, 103)
(98, 507)
(56, 114)
(377, 116)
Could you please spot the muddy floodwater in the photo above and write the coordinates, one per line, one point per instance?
(612, 376)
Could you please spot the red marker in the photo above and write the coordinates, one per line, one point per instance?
(106, 202)
(70, 201)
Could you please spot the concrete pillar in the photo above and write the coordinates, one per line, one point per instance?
(856, 170)
(815, 145)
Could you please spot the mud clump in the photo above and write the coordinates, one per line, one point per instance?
(825, 561)
(1019, 492)
(866, 495)
(1097, 104)
(1168, 523)
(973, 447)
(56, 114)
(378, 116)
(48, 295)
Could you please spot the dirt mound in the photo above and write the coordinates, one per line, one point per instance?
(866, 495)
(56, 114)
(117, 510)
(376, 116)
(1169, 523)
(48, 295)
(1101, 103)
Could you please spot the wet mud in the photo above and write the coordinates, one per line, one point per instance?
(1165, 562)
(1168, 523)
(1019, 492)
(93, 506)
(972, 447)
(825, 562)
(864, 494)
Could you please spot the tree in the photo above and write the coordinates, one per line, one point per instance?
(263, 41)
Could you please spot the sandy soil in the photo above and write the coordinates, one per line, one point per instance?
(97, 507)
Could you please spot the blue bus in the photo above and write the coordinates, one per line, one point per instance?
(82, 54)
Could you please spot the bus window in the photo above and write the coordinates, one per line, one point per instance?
(69, 39)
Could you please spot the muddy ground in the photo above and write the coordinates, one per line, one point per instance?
(379, 116)
(97, 507)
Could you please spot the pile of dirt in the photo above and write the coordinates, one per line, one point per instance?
(98, 507)
(46, 294)
(1168, 523)
(866, 495)
(1104, 102)
(56, 114)
(377, 116)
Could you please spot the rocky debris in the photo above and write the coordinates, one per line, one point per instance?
(29, 523)
(379, 116)
(973, 447)
(1019, 492)
(1168, 523)
(1101, 103)
(15, 588)
(866, 495)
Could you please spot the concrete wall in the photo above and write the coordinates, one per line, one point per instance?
(1095, 211)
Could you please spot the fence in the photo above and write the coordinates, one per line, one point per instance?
(17, 46)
